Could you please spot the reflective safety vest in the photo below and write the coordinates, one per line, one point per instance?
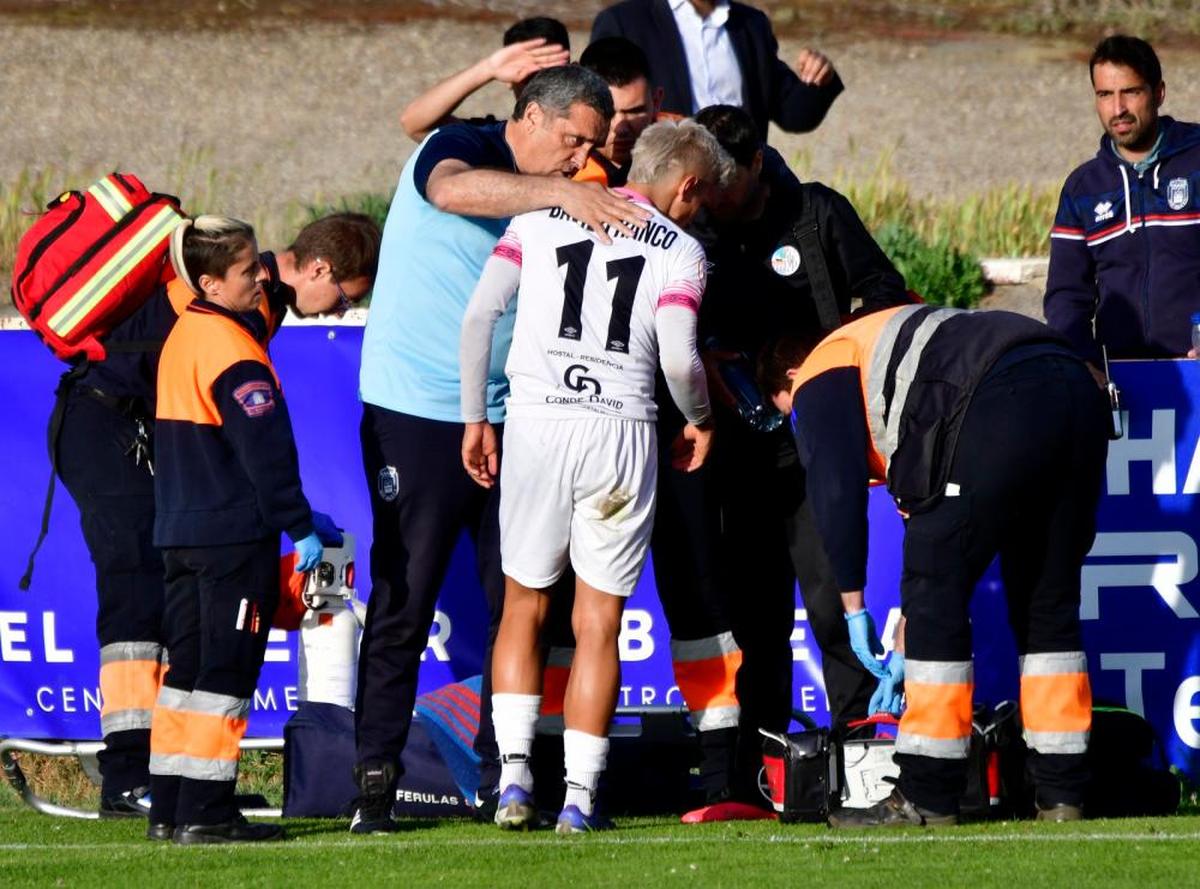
(919, 366)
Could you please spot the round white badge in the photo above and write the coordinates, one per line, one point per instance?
(785, 261)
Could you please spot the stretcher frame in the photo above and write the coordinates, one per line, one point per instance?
(85, 752)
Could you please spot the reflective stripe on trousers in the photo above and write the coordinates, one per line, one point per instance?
(1056, 701)
(706, 672)
(196, 734)
(130, 674)
(937, 722)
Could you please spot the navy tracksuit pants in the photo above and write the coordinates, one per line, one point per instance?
(421, 501)
(115, 497)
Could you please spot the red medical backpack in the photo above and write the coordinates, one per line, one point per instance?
(91, 260)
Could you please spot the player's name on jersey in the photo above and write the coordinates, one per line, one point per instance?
(653, 233)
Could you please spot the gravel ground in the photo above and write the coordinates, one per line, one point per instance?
(312, 114)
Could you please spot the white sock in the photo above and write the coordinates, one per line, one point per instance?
(515, 717)
(585, 757)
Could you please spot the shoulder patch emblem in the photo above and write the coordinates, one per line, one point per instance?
(1177, 194)
(255, 398)
(785, 261)
(388, 484)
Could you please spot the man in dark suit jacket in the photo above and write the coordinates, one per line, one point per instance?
(796, 100)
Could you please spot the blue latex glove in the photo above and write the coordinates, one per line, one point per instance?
(308, 553)
(327, 529)
(864, 641)
(888, 697)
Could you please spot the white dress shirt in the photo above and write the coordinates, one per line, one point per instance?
(712, 64)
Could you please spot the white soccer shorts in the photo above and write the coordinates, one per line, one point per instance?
(578, 492)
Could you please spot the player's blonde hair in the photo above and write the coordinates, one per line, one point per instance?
(669, 147)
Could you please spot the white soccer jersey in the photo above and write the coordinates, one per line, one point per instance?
(586, 339)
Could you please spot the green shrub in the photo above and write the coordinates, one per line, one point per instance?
(939, 272)
(373, 205)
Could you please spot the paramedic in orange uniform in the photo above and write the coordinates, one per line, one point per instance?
(227, 483)
(992, 438)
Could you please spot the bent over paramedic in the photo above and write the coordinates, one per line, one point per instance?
(992, 438)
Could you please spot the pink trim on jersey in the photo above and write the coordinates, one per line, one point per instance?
(680, 293)
(636, 196)
(508, 247)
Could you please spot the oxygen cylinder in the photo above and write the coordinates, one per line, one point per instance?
(329, 653)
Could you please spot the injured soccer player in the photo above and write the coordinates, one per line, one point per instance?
(577, 478)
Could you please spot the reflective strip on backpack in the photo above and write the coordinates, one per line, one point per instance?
(109, 197)
(122, 263)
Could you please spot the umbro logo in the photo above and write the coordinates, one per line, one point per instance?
(1104, 211)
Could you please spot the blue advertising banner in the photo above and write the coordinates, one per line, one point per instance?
(1140, 587)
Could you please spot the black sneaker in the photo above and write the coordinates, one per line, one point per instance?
(373, 808)
(130, 804)
(239, 830)
(895, 811)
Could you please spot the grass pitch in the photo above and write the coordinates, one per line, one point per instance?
(37, 850)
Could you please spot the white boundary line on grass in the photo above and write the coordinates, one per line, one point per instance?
(863, 838)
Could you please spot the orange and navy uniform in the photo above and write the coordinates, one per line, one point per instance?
(227, 465)
(891, 397)
(227, 484)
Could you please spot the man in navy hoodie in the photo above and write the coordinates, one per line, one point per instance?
(1125, 247)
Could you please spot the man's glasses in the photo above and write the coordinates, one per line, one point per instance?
(343, 302)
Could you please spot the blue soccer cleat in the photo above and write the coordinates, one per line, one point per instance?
(515, 809)
(571, 821)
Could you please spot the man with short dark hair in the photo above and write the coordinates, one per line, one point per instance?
(453, 201)
(636, 102)
(528, 46)
(1125, 246)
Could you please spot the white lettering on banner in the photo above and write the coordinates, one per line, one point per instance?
(268, 699)
(808, 699)
(54, 654)
(265, 699)
(12, 633)
(800, 650)
(68, 699)
(439, 635)
(1191, 484)
(646, 695)
(1165, 578)
(277, 655)
(1133, 664)
(1158, 450)
(16, 645)
(1187, 713)
(635, 642)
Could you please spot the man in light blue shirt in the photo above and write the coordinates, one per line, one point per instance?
(453, 201)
